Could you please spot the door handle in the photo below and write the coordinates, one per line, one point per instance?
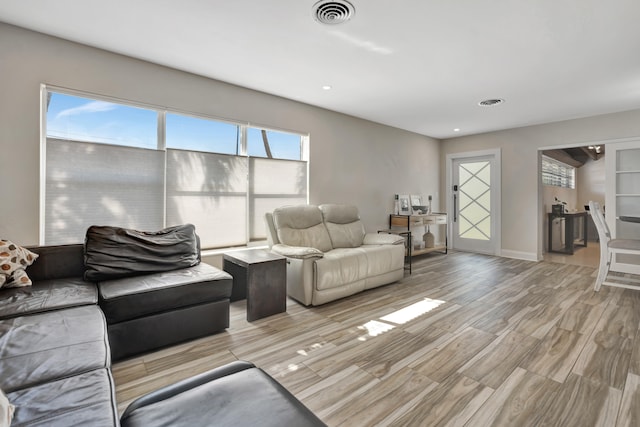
(455, 203)
(455, 207)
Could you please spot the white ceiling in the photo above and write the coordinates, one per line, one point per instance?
(420, 65)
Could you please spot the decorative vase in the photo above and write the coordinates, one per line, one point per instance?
(429, 239)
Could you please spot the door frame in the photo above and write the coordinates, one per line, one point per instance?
(610, 197)
(496, 198)
(542, 229)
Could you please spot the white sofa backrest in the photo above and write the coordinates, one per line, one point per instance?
(302, 226)
(344, 225)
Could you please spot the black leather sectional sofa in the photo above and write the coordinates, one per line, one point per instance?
(59, 336)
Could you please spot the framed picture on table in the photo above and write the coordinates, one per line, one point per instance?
(416, 200)
(405, 204)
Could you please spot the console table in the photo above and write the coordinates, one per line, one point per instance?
(259, 276)
(570, 219)
(407, 222)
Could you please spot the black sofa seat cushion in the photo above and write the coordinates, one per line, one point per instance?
(43, 347)
(81, 400)
(47, 295)
(134, 297)
(237, 394)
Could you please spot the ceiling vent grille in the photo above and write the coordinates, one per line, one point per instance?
(491, 102)
(333, 12)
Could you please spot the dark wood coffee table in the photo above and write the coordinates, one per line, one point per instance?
(260, 276)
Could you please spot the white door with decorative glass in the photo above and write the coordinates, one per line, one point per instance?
(622, 199)
(473, 197)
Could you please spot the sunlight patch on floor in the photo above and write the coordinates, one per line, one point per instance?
(375, 328)
(404, 315)
(398, 317)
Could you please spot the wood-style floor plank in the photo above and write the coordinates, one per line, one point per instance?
(493, 365)
(466, 340)
(557, 353)
(521, 400)
(582, 401)
(453, 402)
(629, 414)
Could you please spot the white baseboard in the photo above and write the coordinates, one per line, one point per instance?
(527, 256)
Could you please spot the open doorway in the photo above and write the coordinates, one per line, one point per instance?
(569, 178)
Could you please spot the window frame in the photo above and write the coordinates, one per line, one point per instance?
(161, 118)
(241, 130)
(562, 179)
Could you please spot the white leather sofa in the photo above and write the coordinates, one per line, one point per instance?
(329, 255)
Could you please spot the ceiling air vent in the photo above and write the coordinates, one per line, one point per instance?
(333, 12)
(490, 102)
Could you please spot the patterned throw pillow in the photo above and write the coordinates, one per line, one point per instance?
(13, 261)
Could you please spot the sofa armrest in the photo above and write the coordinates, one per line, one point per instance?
(237, 394)
(382, 239)
(298, 252)
(186, 384)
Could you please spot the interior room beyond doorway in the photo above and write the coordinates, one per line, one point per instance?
(570, 178)
(587, 257)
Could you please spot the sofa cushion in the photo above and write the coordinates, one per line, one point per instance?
(14, 259)
(340, 267)
(47, 295)
(57, 262)
(42, 347)
(302, 226)
(133, 297)
(344, 225)
(113, 252)
(81, 400)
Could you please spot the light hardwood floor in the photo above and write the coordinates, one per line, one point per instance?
(466, 340)
(589, 256)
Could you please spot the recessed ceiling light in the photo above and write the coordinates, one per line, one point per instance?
(491, 102)
(326, 87)
(456, 130)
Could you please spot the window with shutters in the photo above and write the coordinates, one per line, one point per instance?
(109, 162)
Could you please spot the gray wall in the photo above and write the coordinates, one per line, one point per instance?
(351, 160)
(590, 179)
(522, 210)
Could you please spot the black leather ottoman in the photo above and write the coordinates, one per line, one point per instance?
(151, 311)
(234, 395)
